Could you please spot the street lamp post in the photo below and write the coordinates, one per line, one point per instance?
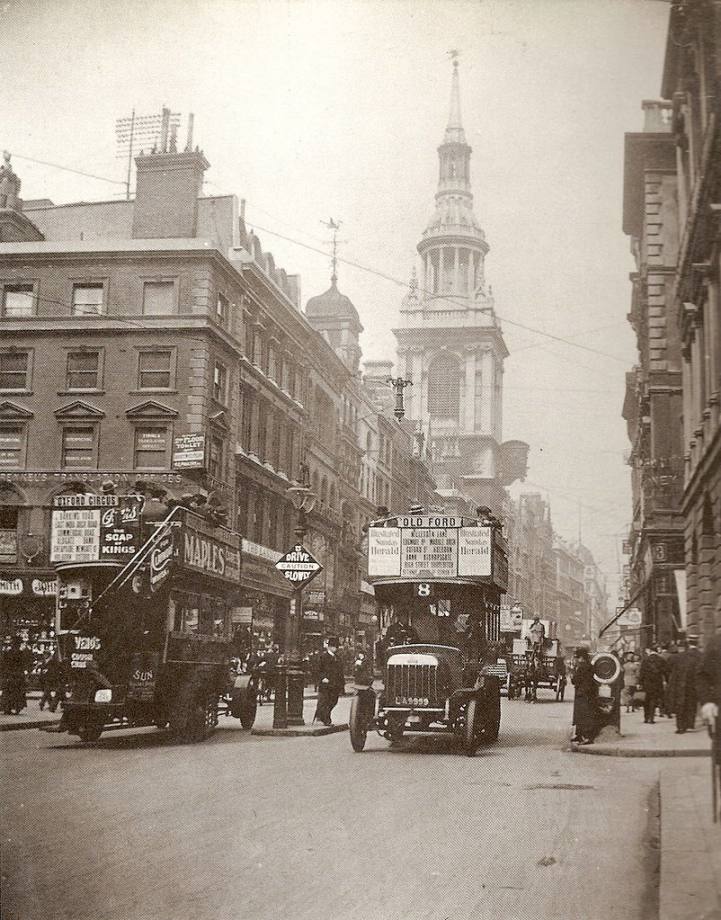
(289, 711)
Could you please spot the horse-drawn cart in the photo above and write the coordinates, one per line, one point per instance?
(528, 669)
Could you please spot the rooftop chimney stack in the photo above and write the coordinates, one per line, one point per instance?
(168, 184)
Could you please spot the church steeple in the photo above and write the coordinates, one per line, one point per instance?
(454, 131)
(454, 246)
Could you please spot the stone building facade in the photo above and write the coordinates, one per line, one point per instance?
(127, 325)
(672, 211)
(692, 82)
(653, 401)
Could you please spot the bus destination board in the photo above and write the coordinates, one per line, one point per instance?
(415, 552)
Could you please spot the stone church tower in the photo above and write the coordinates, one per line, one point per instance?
(450, 343)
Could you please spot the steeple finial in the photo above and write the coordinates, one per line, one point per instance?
(333, 225)
(454, 131)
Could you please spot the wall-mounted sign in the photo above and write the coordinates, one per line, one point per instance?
(189, 452)
(10, 586)
(44, 587)
(632, 617)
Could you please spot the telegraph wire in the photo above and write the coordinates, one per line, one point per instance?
(404, 284)
(78, 172)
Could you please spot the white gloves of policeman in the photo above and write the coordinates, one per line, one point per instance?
(709, 712)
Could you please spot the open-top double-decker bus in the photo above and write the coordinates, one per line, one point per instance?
(146, 593)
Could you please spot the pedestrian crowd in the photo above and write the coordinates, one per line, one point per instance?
(667, 681)
(24, 668)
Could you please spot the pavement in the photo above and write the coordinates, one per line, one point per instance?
(637, 739)
(31, 717)
(690, 844)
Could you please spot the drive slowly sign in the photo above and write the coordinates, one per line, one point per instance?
(298, 566)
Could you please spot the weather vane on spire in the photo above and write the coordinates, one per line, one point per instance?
(335, 226)
(454, 54)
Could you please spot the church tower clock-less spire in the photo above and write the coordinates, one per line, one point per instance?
(450, 343)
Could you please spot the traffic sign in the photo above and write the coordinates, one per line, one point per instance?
(299, 566)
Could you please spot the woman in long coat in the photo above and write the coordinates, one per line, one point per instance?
(585, 703)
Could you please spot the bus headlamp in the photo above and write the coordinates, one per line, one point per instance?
(103, 696)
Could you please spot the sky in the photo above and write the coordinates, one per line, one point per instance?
(314, 110)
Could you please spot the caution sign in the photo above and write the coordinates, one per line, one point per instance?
(298, 566)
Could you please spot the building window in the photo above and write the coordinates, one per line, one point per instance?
(19, 300)
(80, 447)
(246, 420)
(222, 309)
(14, 370)
(88, 299)
(154, 370)
(215, 457)
(158, 298)
(12, 447)
(151, 447)
(444, 387)
(220, 382)
(272, 369)
(83, 370)
(8, 533)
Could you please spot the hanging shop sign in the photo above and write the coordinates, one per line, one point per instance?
(299, 566)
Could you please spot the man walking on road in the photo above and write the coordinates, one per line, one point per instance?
(331, 683)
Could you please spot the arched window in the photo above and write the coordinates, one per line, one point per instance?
(444, 381)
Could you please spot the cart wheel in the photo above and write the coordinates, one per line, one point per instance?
(90, 732)
(358, 726)
(248, 708)
(470, 729)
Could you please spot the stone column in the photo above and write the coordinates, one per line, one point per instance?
(416, 375)
(487, 408)
(456, 270)
(687, 387)
(713, 326)
(470, 390)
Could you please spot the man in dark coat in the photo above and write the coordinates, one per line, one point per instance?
(331, 683)
(585, 703)
(685, 700)
(652, 672)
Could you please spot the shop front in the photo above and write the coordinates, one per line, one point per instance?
(27, 607)
(264, 596)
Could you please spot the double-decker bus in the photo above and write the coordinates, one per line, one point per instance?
(438, 580)
(146, 593)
